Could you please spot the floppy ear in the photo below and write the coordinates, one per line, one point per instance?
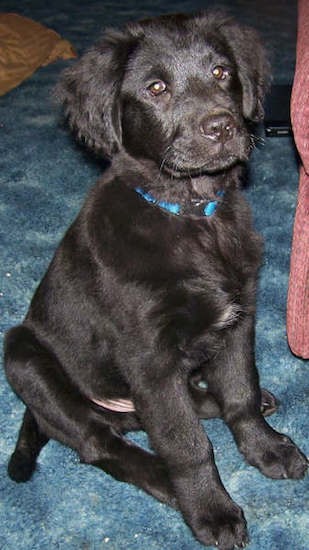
(89, 92)
(253, 67)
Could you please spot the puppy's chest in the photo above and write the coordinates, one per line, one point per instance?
(213, 285)
(199, 272)
(196, 254)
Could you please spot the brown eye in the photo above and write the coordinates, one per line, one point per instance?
(220, 73)
(157, 88)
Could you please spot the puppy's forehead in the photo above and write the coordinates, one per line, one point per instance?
(176, 56)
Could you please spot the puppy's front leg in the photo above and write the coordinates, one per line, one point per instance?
(233, 380)
(176, 434)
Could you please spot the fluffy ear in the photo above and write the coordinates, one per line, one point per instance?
(89, 92)
(253, 67)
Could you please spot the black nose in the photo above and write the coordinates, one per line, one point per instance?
(218, 127)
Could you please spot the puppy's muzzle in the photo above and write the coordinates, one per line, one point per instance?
(219, 127)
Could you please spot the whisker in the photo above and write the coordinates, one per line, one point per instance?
(256, 140)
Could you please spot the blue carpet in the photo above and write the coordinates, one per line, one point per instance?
(43, 180)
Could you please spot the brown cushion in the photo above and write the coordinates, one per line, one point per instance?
(24, 46)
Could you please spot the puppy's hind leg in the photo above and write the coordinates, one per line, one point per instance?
(30, 442)
(60, 412)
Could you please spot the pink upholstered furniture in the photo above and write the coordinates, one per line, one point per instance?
(298, 295)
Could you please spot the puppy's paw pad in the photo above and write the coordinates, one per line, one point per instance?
(269, 403)
(283, 460)
(225, 531)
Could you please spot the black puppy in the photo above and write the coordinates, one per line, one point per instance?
(153, 286)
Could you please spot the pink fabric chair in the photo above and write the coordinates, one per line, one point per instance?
(298, 294)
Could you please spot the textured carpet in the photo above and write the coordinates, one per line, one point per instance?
(43, 179)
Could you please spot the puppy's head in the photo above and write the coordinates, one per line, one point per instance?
(178, 90)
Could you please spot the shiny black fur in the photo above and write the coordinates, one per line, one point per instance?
(139, 303)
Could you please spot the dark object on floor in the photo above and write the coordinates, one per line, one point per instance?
(277, 121)
(156, 278)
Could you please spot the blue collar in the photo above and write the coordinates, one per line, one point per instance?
(198, 208)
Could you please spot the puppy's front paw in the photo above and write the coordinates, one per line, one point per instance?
(278, 458)
(224, 528)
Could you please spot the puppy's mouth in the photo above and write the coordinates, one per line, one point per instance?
(209, 158)
(213, 165)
